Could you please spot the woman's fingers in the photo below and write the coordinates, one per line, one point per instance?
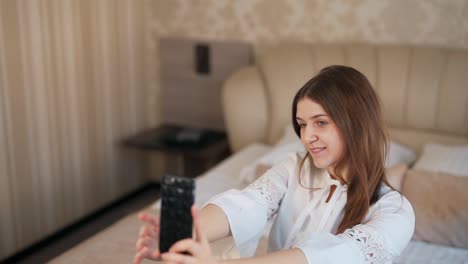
(149, 218)
(155, 255)
(200, 236)
(177, 258)
(145, 242)
(140, 255)
(148, 236)
(186, 245)
(146, 230)
(198, 249)
(146, 252)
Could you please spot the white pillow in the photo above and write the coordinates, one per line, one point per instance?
(398, 154)
(443, 158)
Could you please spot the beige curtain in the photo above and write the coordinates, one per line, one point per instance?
(72, 85)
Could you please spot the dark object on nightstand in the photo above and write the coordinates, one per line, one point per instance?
(202, 59)
(196, 149)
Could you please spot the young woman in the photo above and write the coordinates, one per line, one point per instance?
(331, 205)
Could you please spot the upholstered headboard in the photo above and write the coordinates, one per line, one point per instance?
(424, 90)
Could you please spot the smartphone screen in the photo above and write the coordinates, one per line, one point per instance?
(177, 197)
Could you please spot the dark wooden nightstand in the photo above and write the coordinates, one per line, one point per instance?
(187, 151)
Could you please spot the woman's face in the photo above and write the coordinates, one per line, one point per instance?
(319, 134)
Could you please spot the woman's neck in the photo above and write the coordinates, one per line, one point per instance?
(343, 176)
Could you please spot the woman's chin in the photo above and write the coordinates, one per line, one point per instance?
(320, 165)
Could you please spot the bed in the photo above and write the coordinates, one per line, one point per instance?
(424, 91)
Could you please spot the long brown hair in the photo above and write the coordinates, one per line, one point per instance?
(351, 102)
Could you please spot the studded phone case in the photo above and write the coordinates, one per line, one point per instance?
(177, 196)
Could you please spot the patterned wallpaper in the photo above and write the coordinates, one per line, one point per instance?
(262, 21)
(265, 22)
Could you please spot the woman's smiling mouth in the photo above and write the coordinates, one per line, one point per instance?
(316, 150)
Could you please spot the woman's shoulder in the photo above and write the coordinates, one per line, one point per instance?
(392, 217)
(391, 201)
(385, 189)
(287, 166)
(294, 159)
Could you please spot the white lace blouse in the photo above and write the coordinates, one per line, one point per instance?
(303, 219)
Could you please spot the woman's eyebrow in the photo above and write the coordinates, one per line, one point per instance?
(313, 117)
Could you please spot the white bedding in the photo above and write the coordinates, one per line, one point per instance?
(418, 252)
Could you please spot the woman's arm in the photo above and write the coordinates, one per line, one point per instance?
(216, 226)
(293, 255)
(214, 223)
(200, 252)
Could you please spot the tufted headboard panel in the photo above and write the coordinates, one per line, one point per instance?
(423, 89)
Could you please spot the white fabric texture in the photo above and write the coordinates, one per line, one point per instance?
(443, 158)
(302, 219)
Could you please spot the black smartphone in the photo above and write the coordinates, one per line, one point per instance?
(177, 197)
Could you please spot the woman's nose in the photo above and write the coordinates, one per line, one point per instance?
(311, 139)
(310, 135)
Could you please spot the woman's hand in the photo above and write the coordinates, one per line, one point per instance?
(148, 240)
(199, 249)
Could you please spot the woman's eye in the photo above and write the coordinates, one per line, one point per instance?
(302, 125)
(321, 123)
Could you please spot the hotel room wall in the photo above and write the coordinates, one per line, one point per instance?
(72, 84)
(266, 22)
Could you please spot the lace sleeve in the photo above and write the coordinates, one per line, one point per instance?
(387, 230)
(270, 193)
(370, 243)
